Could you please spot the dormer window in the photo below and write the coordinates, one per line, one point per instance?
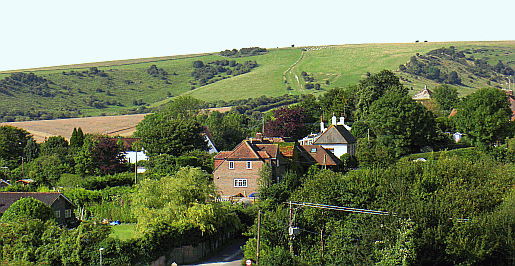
(231, 165)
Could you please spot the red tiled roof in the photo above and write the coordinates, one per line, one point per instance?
(321, 155)
(248, 150)
(222, 155)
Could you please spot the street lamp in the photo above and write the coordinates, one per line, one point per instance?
(100, 249)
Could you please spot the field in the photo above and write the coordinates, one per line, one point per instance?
(123, 125)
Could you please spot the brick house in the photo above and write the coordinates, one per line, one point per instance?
(237, 172)
(62, 206)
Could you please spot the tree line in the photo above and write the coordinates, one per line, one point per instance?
(206, 73)
(244, 52)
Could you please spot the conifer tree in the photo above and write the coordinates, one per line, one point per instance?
(73, 139)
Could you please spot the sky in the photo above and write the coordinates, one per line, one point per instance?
(51, 33)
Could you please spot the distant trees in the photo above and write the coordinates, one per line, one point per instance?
(205, 73)
(157, 72)
(243, 52)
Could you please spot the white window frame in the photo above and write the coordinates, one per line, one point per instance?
(67, 213)
(240, 182)
(249, 165)
(58, 214)
(231, 164)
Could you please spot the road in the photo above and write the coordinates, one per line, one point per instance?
(230, 255)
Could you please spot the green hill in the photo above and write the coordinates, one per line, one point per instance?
(132, 86)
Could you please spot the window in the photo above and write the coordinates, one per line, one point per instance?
(58, 214)
(313, 150)
(240, 182)
(67, 213)
(249, 165)
(231, 165)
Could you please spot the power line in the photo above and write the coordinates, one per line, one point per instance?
(339, 208)
(355, 210)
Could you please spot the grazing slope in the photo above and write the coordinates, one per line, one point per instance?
(122, 87)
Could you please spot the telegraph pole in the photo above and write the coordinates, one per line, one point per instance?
(136, 169)
(258, 228)
(291, 236)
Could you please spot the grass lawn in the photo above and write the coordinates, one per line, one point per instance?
(123, 231)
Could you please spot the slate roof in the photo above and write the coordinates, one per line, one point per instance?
(336, 134)
(8, 198)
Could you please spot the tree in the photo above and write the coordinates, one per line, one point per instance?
(174, 129)
(77, 138)
(227, 129)
(28, 208)
(408, 123)
(108, 156)
(446, 96)
(169, 197)
(160, 135)
(374, 87)
(31, 150)
(485, 117)
(288, 122)
(12, 142)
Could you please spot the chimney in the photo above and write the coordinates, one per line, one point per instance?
(259, 136)
(322, 128)
(334, 119)
(342, 120)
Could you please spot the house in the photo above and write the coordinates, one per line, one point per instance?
(336, 138)
(237, 171)
(317, 154)
(305, 156)
(422, 95)
(209, 139)
(61, 205)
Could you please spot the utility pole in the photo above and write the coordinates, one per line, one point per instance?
(136, 169)
(258, 229)
(322, 241)
(263, 122)
(22, 167)
(291, 236)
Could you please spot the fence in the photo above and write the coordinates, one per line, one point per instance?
(189, 254)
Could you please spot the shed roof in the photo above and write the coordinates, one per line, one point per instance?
(8, 198)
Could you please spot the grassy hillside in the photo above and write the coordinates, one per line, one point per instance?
(125, 86)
